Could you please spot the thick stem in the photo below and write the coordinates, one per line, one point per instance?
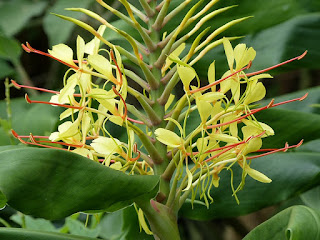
(162, 220)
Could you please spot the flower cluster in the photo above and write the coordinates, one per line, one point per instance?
(227, 133)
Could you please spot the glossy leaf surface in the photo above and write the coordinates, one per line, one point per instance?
(53, 184)
(18, 233)
(294, 223)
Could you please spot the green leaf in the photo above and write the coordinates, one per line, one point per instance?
(312, 198)
(108, 228)
(53, 184)
(18, 233)
(291, 174)
(9, 48)
(5, 69)
(127, 227)
(312, 146)
(294, 223)
(289, 126)
(77, 228)
(304, 106)
(3, 200)
(58, 30)
(16, 13)
(36, 224)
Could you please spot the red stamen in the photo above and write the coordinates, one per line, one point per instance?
(278, 150)
(275, 66)
(33, 143)
(270, 105)
(135, 121)
(229, 147)
(124, 103)
(136, 158)
(29, 49)
(116, 63)
(38, 89)
(49, 103)
(35, 88)
(222, 79)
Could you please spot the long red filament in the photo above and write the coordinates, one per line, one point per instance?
(50, 103)
(219, 81)
(275, 66)
(29, 49)
(277, 150)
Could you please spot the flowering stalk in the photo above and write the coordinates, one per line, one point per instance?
(227, 133)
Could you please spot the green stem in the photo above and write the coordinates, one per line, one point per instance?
(162, 220)
(152, 150)
(146, 7)
(163, 12)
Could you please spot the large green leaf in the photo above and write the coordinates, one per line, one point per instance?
(9, 48)
(16, 13)
(291, 174)
(53, 184)
(3, 200)
(18, 233)
(294, 223)
(5, 69)
(312, 198)
(59, 30)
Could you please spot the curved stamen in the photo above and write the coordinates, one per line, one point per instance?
(277, 65)
(50, 103)
(278, 150)
(29, 49)
(222, 79)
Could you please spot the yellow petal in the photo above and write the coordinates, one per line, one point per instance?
(168, 138)
(173, 55)
(116, 120)
(212, 75)
(186, 75)
(80, 49)
(116, 166)
(93, 46)
(168, 103)
(261, 126)
(101, 64)
(67, 91)
(83, 152)
(204, 109)
(229, 52)
(255, 93)
(257, 175)
(143, 223)
(104, 145)
(63, 52)
(239, 52)
(225, 138)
